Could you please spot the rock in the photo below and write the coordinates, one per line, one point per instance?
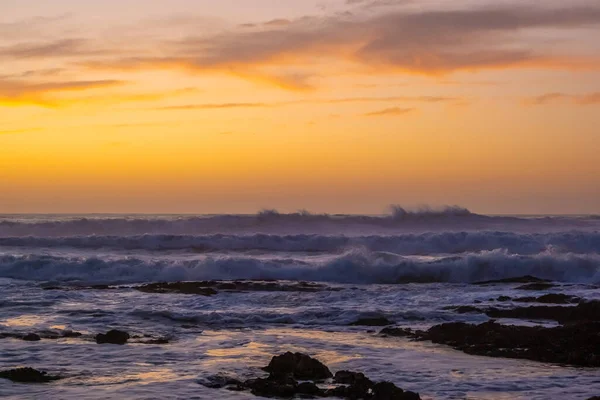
(219, 381)
(551, 298)
(178, 287)
(536, 286)
(575, 344)
(298, 365)
(113, 337)
(520, 279)
(32, 337)
(503, 298)
(27, 375)
(373, 321)
(271, 387)
(397, 332)
(348, 377)
(464, 309)
(309, 389)
(584, 311)
(281, 383)
(209, 288)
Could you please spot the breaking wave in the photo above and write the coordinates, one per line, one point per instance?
(270, 221)
(407, 244)
(354, 267)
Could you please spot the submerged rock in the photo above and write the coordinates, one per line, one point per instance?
(584, 311)
(178, 287)
(373, 321)
(519, 279)
(32, 337)
(27, 375)
(113, 337)
(209, 288)
(551, 298)
(299, 366)
(536, 286)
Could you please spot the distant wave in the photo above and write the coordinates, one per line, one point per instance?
(356, 267)
(407, 244)
(270, 221)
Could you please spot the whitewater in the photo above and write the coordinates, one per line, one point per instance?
(81, 273)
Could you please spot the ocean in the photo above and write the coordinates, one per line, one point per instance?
(286, 282)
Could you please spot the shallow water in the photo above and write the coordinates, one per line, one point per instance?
(385, 269)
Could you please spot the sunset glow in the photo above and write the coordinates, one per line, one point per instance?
(232, 106)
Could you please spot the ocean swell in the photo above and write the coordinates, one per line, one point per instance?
(353, 267)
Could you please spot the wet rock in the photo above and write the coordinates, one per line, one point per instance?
(270, 387)
(520, 279)
(27, 375)
(551, 298)
(298, 365)
(32, 337)
(209, 288)
(219, 382)
(178, 287)
(281, 382)
(574, 344)
(348, 377)
(464, 309)
(112, 337)
(309, 389)
(536, 286)
(373, 321)
(398, 332)
(584, 311)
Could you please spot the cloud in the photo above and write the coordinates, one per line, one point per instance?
(22, 92)
(430, 40)
(212, 106)
(578, 99)
(394, 111)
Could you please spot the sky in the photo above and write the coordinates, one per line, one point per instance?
(340, 106)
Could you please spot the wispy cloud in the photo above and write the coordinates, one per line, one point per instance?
(19, 92)
(410, 99)
(394, 111)
(578, 99)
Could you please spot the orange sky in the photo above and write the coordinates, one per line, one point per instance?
(332, 106)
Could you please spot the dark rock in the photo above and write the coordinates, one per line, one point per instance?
(536, 286)
(219, 381)
(584, 311)
(271, 387)
(574, 344)
(178, 287)
(348, 377)
(209, 288)
(32, 337)
(71, 334)
(112, 337)
(374, 321)
(520, 279)
(309, 388)
(551, 298)
(464, 309)
(27, 375)
(156, 341)
(398, 332)
(298, 365)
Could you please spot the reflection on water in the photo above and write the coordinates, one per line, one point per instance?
(27, 320)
